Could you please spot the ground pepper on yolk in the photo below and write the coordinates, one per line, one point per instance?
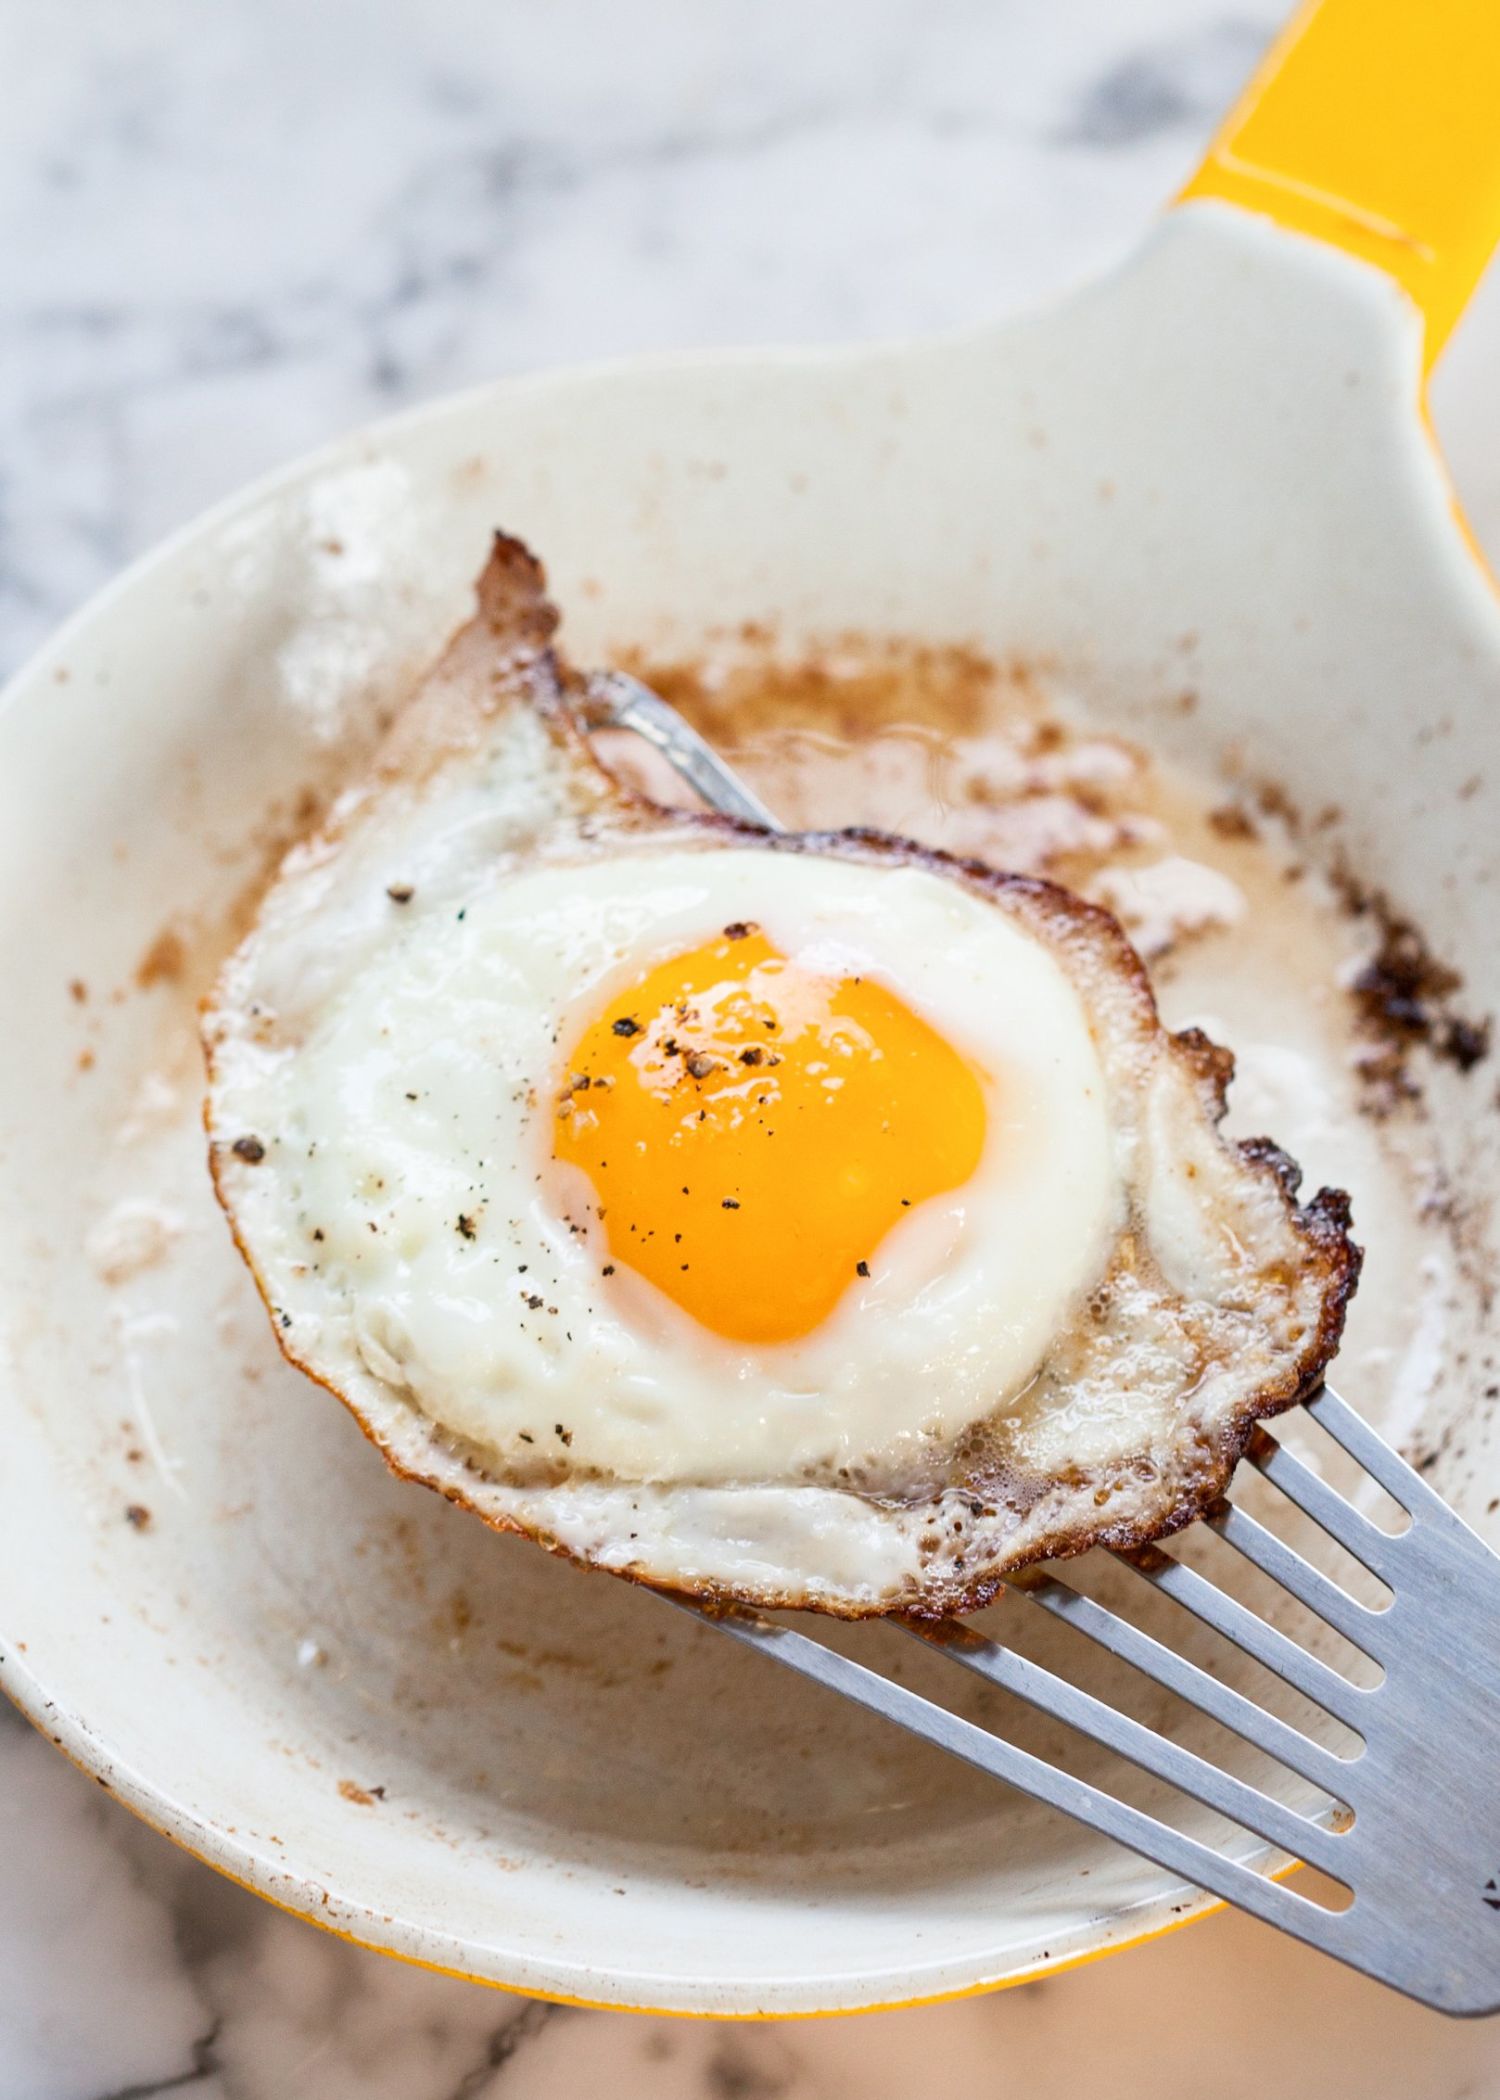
(753, 1129)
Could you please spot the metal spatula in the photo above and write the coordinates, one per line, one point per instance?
(1414, 1832)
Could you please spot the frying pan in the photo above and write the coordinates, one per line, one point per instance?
(1209, 473)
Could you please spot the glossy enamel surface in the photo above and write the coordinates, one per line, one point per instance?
(1208, 472)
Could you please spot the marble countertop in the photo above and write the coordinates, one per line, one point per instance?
(231, 231)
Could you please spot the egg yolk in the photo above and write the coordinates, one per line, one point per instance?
(753, 1129)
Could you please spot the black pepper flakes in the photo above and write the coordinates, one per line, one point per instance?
(249, 1149)
(609, 1269)
(625, 1026)
(137, 1516)
(465, 1225)
(861, 1268)
(700, 1064)
(752, 1056)
(400, 892)
(729, 1203)
(741, 930)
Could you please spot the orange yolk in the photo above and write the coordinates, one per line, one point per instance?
(752, 1131)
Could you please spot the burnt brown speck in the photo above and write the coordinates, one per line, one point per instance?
(1403, 996)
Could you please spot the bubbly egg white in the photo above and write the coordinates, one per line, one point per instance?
(422, 1092)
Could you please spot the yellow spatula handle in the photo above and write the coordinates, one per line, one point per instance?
(1375, 125)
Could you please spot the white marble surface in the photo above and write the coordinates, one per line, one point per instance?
(232, 230)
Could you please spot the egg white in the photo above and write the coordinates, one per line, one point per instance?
(423, 1093)
(1071, 1349)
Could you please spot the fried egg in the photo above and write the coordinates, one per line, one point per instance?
(798, 1219)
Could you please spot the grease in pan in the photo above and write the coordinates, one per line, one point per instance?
(804, 1220)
